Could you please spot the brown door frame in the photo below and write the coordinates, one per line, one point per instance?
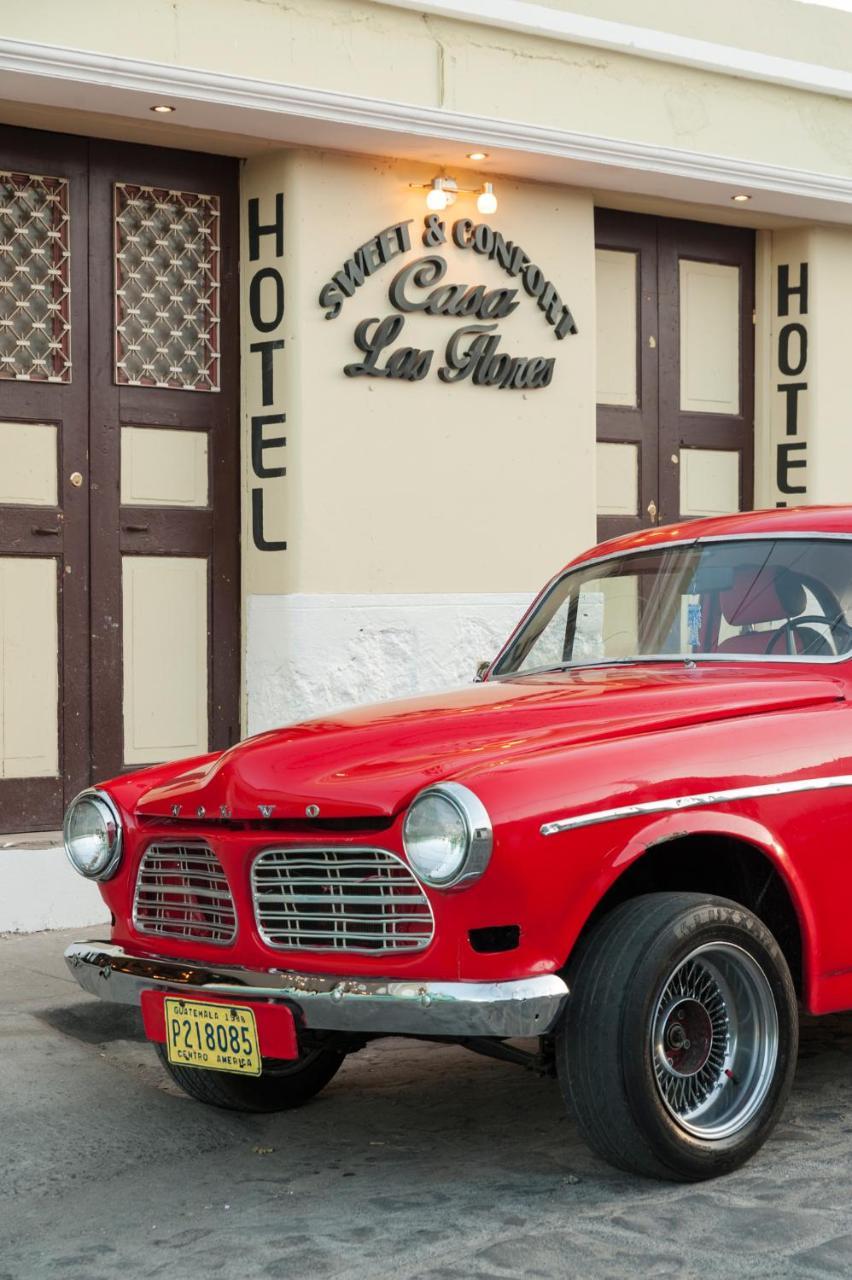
(28, 804)
(730, 246)
(620, 424)
(162, 531)
(657, 425)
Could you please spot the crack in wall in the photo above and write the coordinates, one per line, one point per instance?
(593, 62)
(441, 52)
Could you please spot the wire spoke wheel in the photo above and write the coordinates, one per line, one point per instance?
(714, 1040)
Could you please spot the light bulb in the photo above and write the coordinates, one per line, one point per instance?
(486, 201)
(437, 198)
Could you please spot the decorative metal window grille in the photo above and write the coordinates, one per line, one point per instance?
(35, 290)
(166, 288)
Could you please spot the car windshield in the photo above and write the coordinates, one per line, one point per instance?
(772, 599)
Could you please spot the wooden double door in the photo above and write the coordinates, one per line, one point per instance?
(119, 464)
(675, 370)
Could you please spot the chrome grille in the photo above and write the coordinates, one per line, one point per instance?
(343, 899)
(182, 892)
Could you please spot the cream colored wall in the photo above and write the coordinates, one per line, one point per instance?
(277, 40)
(785, 28)
(354, 46)
(421, 487)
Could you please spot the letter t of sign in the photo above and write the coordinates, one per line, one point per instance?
(266, 350)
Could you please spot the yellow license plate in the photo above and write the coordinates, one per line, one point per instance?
(218, 1037)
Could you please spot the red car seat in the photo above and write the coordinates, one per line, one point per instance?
(767, 595)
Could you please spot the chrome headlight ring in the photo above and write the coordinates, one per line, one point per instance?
(474, 826)
(105, 809)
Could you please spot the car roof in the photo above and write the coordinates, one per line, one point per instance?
(780, 520)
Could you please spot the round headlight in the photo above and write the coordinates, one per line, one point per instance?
(447, 835)
(92, 831)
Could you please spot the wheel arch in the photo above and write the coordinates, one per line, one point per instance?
(721, 854)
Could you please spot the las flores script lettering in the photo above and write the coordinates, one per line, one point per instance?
(472, 351)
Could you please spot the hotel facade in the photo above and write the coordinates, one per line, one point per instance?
(330, 330)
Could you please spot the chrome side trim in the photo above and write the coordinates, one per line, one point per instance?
(763, 535)
(779, 536)
(388, 1006)
(699, 801)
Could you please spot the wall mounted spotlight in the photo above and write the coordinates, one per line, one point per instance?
(161, 109)
(442, 192)
(486, 201)
(740, 198)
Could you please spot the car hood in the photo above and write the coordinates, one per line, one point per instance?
(370, 761)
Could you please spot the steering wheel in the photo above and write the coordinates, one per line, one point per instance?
(788, 631)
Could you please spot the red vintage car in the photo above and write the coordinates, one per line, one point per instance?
(629, 840)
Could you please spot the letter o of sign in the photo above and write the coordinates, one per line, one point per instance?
(534, 280)
(784, 364)
(483, 239)
(256, 301)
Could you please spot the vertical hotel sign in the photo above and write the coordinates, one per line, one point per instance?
(791, 448)
(266, 307)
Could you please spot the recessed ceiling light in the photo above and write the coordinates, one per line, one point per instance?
(740, 198)
(477, 155)
(162, 110)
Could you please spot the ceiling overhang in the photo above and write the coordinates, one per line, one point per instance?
(266, 113)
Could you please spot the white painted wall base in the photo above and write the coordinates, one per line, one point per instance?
(39, 889)
(309, 654)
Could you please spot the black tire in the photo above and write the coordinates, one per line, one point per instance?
(280, 1087)
(622, 1037)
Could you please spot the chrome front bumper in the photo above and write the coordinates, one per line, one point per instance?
(523, 1007)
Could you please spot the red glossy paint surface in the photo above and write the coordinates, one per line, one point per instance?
(535, 749)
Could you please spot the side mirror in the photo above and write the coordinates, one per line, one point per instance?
(481, 669)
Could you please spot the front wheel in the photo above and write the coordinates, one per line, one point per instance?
(679, 1043)
(280, 1087)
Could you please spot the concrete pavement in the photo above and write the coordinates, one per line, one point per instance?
(417, 1161)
